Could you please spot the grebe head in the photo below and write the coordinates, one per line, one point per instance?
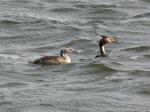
(105, 40)
(66, 50)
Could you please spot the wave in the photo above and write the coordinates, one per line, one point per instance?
(10, 56)
(54, 18)
(8, 22)
(65, 10)
(147, 56)
(140, 48)
(138, 88)
(79, 42)
(102, 67)
(12, 84)
(142, 15)
(4, 103)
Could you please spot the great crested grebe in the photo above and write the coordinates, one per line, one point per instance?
(62, 59)
(105, 40)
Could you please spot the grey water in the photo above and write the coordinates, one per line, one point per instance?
(117, 83)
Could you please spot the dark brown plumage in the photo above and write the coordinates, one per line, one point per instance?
(44, 59)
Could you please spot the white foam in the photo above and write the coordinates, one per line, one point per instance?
(46, 17)
(134, 57)
(6, 56)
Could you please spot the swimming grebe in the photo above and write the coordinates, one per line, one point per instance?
(105, 40)
(62, 59)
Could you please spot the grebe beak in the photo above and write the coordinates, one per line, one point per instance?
(115, 40)
(74, 51)
(108, 39)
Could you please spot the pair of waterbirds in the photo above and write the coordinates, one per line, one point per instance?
(65, 51)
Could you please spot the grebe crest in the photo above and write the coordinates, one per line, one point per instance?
(103, 41)
(66, 50)
(107, 39)
(62, 59)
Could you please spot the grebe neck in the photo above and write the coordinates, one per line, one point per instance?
(103, 51)
(62, 54)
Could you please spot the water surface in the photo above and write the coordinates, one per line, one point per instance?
(117, 83)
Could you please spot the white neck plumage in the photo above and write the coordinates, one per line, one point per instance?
(103, 51)
(65, 56)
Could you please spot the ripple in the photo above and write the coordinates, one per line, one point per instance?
(140, 73)
(8, 22)
(43, 48)
(78, 42)
(102, 67)
(106, 13)
(10, 56)
(79, 89)
(143, 89)
(142, 15)
(12, 84)
(147, 56)
(6, 103)
(140, 48)
(64, 10)
(146, 1)
(94, 6)
(47, 105)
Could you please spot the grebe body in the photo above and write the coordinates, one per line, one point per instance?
(62, 59)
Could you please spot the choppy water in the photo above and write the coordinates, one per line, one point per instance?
(117, 83)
